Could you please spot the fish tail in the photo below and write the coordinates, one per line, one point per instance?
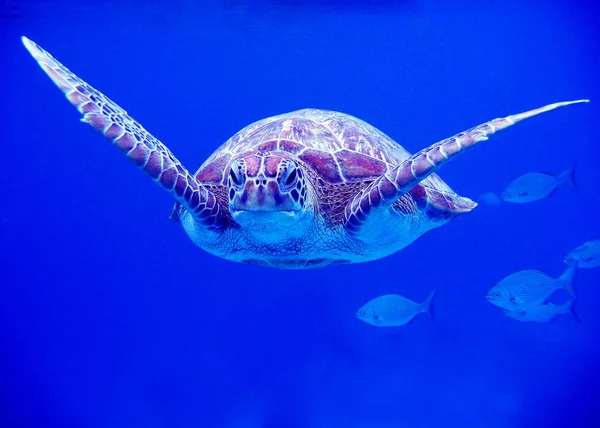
(568, 308)
(568, 177)
(427, 304)
(567, 279)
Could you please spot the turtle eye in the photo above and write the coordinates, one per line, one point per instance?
(291, 177)
(288, 176)
(234, 177)
(237, 174)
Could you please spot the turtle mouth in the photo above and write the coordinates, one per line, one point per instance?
(277, 218)
(262, 211)
(265, 214)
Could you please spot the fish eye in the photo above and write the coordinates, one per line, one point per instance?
(493, 295)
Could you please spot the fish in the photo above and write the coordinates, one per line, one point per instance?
(586, 255)
(534, 186)
(544, 313)
(393, 310)
(490, 199)
(529, 288)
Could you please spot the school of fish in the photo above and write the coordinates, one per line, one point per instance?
(523, 296)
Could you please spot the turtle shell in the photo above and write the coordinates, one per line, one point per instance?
(341, 151)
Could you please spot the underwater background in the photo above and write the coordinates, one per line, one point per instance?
(111, 317)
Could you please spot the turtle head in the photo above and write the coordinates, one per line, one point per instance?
(267, 187)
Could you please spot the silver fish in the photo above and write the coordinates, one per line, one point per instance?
(490, 199)
(393, 310)
(529, 288)
(543, 313)
(534, 186)
(586, 255)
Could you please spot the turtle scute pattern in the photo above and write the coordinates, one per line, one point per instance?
(343, 155)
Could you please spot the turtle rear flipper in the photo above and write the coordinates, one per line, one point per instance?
(395, 183)
(148, 153)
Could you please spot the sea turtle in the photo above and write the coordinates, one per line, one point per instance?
(300, 190)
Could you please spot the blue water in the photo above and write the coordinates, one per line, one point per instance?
(111, 317)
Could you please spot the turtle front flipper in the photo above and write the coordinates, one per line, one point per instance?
(139, 145)
(395, 183)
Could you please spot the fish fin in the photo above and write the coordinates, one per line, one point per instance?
(427, 304)
(568, 177)
(567, 279)
(515, 300)
(569, 310)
